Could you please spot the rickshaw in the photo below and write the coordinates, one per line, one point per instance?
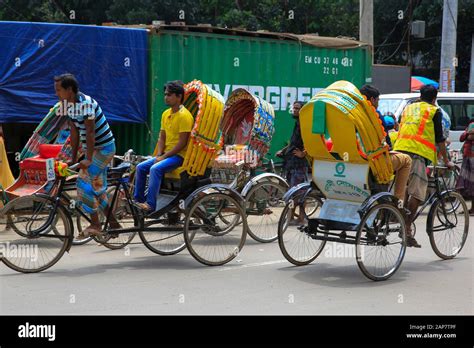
(354, 207)
(352, 181)
(248, 127)
(41, 146)
(208, 219)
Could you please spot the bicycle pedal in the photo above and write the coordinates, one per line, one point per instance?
(371, 236)
(302, 228)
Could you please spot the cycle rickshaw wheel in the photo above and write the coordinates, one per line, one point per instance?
(210, 232)
(168, 241)
(266, 200)
(451, 185)
(28, 252)
(123, 215)
(448, 225)
(78, 219)
(381, 241)
(296, 245)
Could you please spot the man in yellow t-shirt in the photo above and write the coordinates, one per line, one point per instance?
(176, 125)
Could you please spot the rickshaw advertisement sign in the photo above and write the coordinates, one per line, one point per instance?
(342, 180)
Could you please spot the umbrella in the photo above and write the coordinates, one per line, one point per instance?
(419, 81)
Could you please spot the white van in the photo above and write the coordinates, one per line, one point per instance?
(459, 106)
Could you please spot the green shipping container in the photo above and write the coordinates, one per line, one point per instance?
(279, 68)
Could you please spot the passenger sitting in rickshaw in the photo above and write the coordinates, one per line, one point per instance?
(401, 162)
(176, 125)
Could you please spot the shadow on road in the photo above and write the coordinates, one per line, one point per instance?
(343, 276)
(152, 262)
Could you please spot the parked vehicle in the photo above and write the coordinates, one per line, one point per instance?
(459, 106)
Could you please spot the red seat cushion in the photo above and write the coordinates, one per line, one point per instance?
(49, 150)
(33, 163)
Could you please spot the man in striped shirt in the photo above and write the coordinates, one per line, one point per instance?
(90, 130)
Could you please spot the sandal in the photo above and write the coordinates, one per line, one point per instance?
(144, 207)
(411, 242)
(81, 236)
(115, 226)
(91, 231)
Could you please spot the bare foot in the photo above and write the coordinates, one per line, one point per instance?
(92, 230)
(114, 225)
(144, 206)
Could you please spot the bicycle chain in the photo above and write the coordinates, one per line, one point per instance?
(135, 243)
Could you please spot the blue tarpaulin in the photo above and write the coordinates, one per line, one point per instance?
(109, 63)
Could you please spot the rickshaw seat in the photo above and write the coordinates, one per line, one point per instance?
(175, 174)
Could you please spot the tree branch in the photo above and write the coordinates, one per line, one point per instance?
(61, 9)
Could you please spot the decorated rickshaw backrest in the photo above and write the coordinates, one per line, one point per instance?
(249, 122)
(341, 113)
(45, 133)
(206, 106)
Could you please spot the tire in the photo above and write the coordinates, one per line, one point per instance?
(123, 213)
(451, 178)
(205, 231)
(166, 242)
(296, 245)
(77, 218)
(451, 185)
(81, 223)
(311, 205)
(123, 216)
(381, 233)
(31, 213)
(266, 200)
(448, 225)
(17, 224)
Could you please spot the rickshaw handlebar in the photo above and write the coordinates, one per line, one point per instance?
(74, 167)
(440, 167)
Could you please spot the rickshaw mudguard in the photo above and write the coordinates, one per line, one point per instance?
(303, 187)
(68, 216)
(262, 178)
(385, 197)
(220, 188)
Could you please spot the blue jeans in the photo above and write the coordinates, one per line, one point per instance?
(157, 172)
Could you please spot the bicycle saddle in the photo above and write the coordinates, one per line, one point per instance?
(120, 169)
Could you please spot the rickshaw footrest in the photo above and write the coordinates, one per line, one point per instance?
(316, 225)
